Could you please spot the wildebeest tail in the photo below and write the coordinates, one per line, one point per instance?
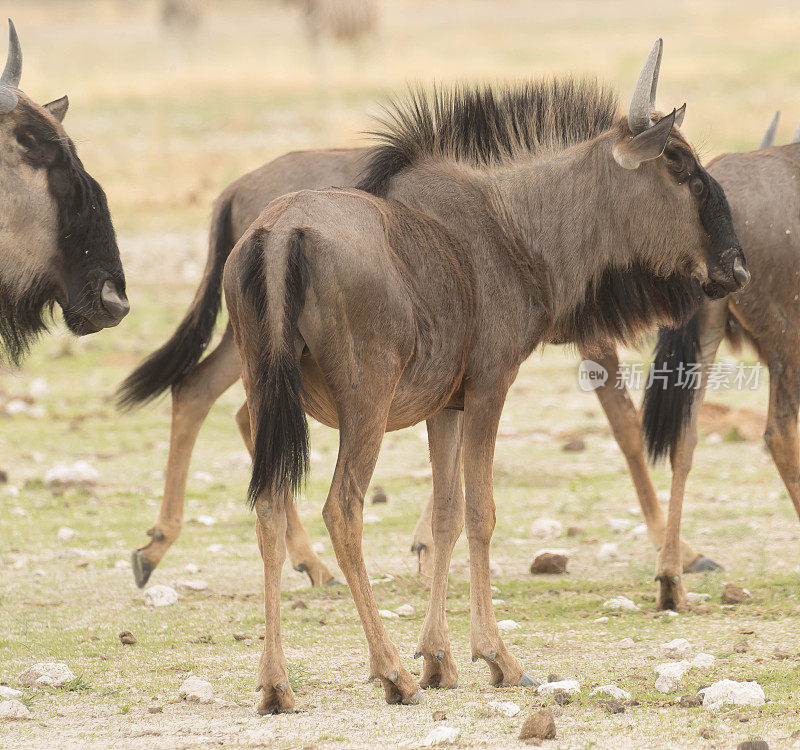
(667, 402)
(177, 357)
(274, 284)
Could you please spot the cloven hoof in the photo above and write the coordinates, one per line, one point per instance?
(703, 564)
(142, 568)
(527, 681)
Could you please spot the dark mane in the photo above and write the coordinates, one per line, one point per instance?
(486, 125)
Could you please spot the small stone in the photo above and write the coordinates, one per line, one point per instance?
(690, 701)
(192, 569)
(756, 744)
(620, 603)
(14, 710)
(507, 708)
(540, 725)
(701, 661)
(575, 531)
(387, 614)
(677, 649)
(551, 563)
(439, 715)
(54, 673)
(122, 565)
(781, 652)
(242, 637)
(562, 697)
(508, 625)
(206, 520)
(740, 647)
(379, 497)
(215, 548)
(732, 692)
(196, 690)
(693, 598)
(9, 694)
(574, 446)
(546, 528)
(735, 594)
(568, 686)
(612, 691)
(159, 596)
(553, 677)
(300, 604)
(670, 675)
(404, 610)
(440, 736)
(197, 584)
(155, 709)
(318, 548)
(619, 525)
(70, 475)
(626, 643)
(607, 552)
(613, 707)
(371, 518)
(66, 534)
(708, 733)
(600, 620)
(127, 637)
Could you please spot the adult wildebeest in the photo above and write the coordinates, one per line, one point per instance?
(349, 21)
(57, 241)
(762, 187)
(489, 222)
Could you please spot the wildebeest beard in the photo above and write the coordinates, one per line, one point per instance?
(23, 317)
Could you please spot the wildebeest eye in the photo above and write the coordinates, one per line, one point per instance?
(26, 140)
(697, 186)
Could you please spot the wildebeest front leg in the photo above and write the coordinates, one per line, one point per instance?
(361, 428)
(627, 428)
(482, 411)
(191, 402)
(298, 543)
(669, 568)
(447, 519)
(273, 678)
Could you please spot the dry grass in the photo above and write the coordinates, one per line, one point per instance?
(165, 122)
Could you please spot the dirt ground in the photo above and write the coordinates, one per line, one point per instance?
(164, 123)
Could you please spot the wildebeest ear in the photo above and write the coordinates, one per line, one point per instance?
(631, 152)
(679, 115)
(58, 108)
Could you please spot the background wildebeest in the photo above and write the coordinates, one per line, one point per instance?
(58, 243)
(375, 313)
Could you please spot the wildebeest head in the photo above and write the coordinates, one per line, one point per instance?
(685, 204)
(57, 242)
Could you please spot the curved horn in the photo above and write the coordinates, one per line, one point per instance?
(769, 136)
(643, 101)
(796, 136)
(13, 70)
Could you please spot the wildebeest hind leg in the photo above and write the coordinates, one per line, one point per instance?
(447, 519)
(422, 540)
(362, 421)
(191, 402)
(298, 543)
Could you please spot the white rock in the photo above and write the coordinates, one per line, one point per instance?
(639, 530)
(9, 694)
(670, 613)
(371, 518)
(38, 387)
(703, 660)
(197, 584)
(620, 602)
(694, 598)
(192, 569)
(66, 534)
(17, 511)
(206, 520)
(318, 547)
(612, 691)
(440, 736)
(215, 548)
(607, 552)
(670, 675)
(196, 690)
(508, 625)
(14, 710)
(54, 673)
(64, 475)
(568, 686)
(203, 476)
(618, 525)
(626, 643)
(600, 619)
(677, 649)
(122, 565)
(553, 551)
(17, 406)
(404, 610)
(507, 708)
(729, 691)
(387, 614)
(498, 602)
(546, 528)
(10, 490)
(160, 596)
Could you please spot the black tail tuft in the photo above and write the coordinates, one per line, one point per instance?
(172, 362)
(667, 405)
(280, 440)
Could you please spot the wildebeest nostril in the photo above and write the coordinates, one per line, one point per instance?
(740, 273)
(115, 305)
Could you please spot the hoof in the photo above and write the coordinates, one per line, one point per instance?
(279, 699)
(414, 699)
(527, 681)
(703, 565)
(142, 568)
(333, 582)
